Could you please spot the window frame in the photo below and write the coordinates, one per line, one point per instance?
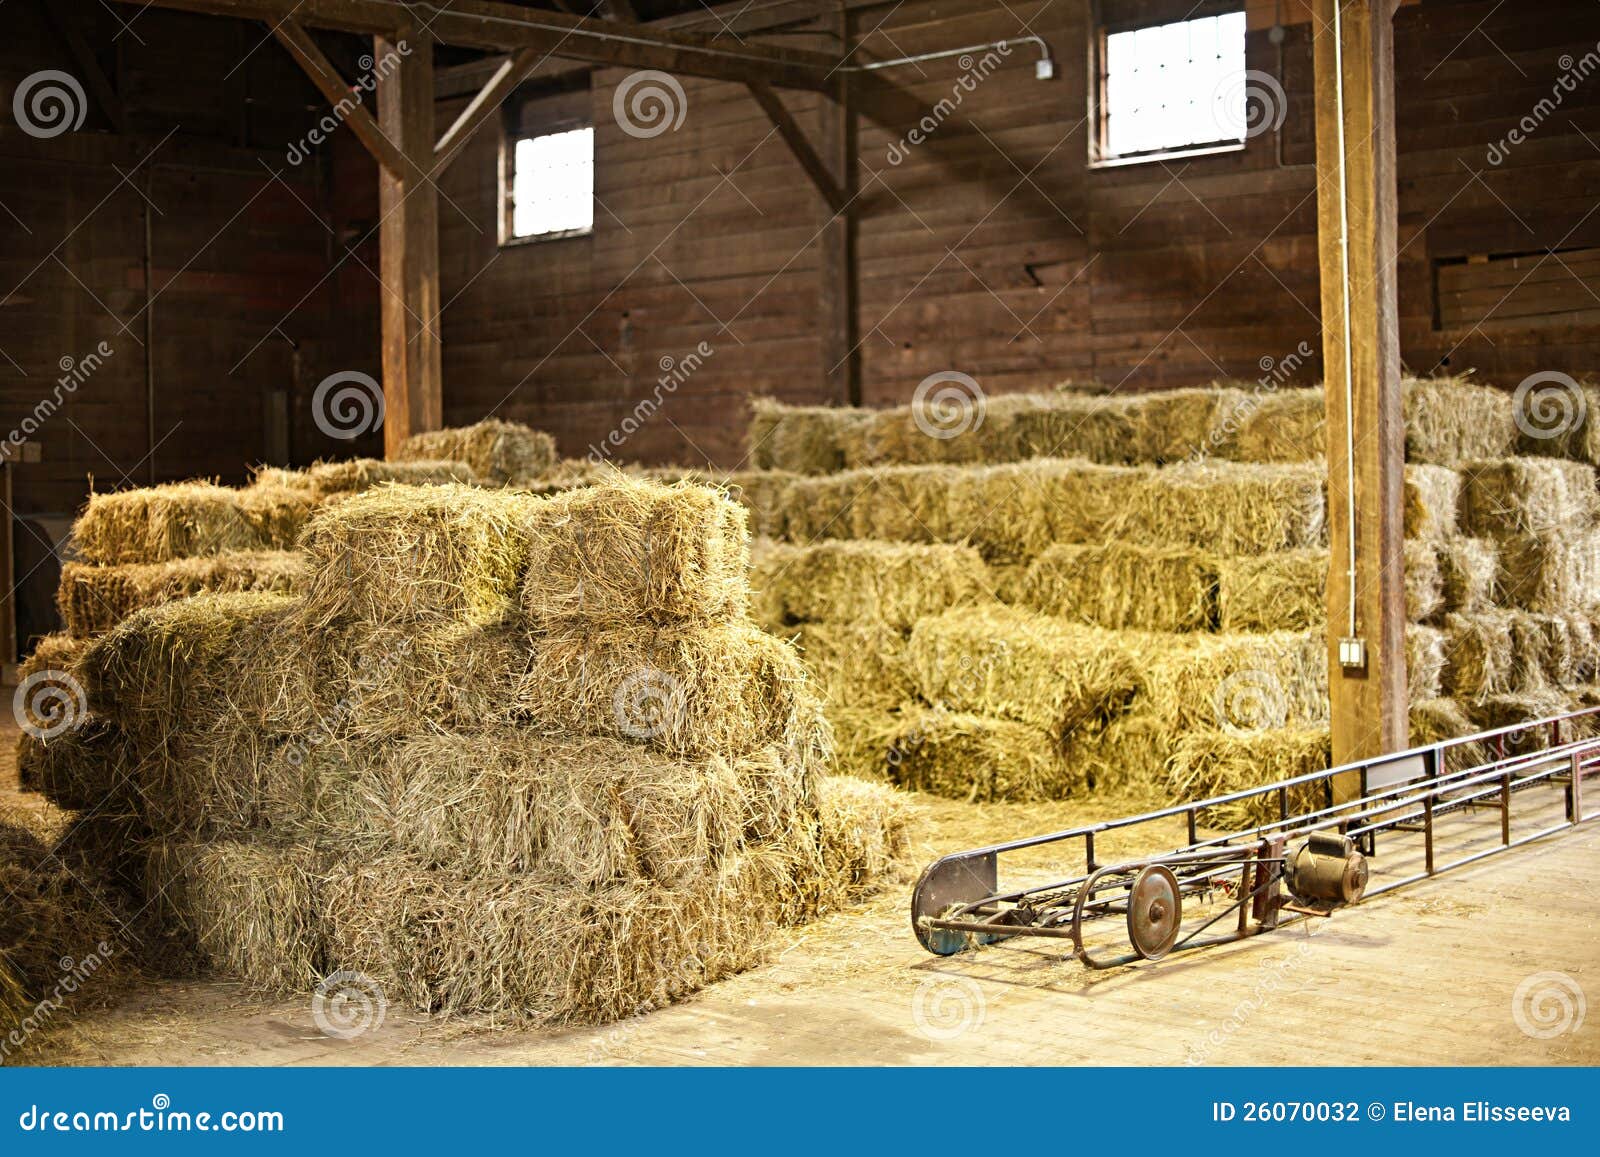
(1098, 66)
(517, 125)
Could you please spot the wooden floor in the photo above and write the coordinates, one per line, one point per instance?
(1426, 975)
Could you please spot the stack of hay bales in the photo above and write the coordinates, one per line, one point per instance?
(500, 753)
(1018, 626)
(500, 453)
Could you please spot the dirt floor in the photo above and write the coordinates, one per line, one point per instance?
(1487, 965)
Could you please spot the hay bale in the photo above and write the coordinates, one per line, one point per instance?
(1494, 653)
(862, 737)
(1127, 754)
(895, 584)
(1513, 710)
(52, 653)
(161, 523)
(1437, 720)
(1281, 425)
(691, 691)
(1431, 502)
(1123, 587)
(1425, 661)
(1094, 427)
(93, 599)
(497, 451)
(1285, 591)
(1179, 425)
(1468, 568)
(629, 551)
(865, 832)
(416, 554)
(80, 769)
(1228, 508)
(1511, 497)
(763, 493)
(1002, 662)
(250, 906)
(1232, 682)
(800, 439)
(180, 666)
(500, 799)
(977, 758)
(856, 664)
(1554, 572)
(1212, 763)
(1450, 420)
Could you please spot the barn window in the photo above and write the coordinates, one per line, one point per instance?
(1171, 90)
(552, 184)
(547, 162)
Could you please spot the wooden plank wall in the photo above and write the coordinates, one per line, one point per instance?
(994, 248)
(237, 258)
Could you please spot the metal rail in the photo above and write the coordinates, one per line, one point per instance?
(959, 904)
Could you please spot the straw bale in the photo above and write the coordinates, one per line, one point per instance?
(79, 769)
(1468, 568)
(895, 584)
(93, 599)
(977, 758)
(250, 906)
(1177, 425)
(1281, 425)
(1450, 420)
(498, 452)
(628, 551)
(764, 494)
(1554, 571)
(417, 554)
(1284, 591)
(1215, 762)
(690, 691)
(52, 653)
(161, 523)
(800, 439)
(856, 664)
(1431, 503)
(1425, 661)
(1232, 681)
(1124, 587)
(1508, 497)
(1016, 665)
(1128, 753)
(1494, 653)
(861, 738)
(865, 831)
(1228, 508)
(1513, 709)
(1436, 720)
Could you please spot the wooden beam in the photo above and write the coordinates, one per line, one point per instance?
(1356, 225)
(346, 102)
(839, 293)
(512, 72)
(795, 138)
(83, 56)
(497, 27)
(408, 242)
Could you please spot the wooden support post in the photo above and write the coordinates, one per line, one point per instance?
(840, 289)
(1356, 214)
(408, 206)
(512, 72)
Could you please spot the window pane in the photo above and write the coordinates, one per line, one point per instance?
(552, 183)
(1175, 86)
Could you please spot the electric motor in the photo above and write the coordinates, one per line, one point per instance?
(1326, 869)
